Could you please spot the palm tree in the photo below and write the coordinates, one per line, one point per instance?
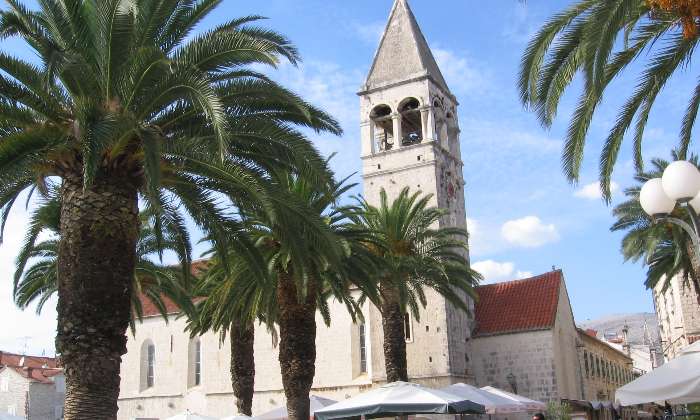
(238, 291)
(413, 255)
(129, 105)
(599, 39)
(307, 264)
(152, 281)
(664, 247)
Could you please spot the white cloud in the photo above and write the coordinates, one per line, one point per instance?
(524, 274)
(461, 73)
(529, 232)
(494, 271)
(592, 191)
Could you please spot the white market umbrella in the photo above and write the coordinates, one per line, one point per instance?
(397, 399)
(187, 415)
(280, 413)
(239, 417)
(494, 404)
(532, 405)
(677, 382)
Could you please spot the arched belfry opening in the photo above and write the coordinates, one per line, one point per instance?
(382, 128)
(411, 122)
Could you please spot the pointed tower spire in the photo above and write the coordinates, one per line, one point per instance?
(403, 52)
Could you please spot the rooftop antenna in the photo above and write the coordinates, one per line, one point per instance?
(26, 344)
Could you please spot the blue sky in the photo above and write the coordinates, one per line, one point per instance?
(524, 216)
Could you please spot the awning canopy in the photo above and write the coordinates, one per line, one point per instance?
(676, 382)
(400, 398)
(531, 405)
(280, 413)
(190, 416)
(494, 404)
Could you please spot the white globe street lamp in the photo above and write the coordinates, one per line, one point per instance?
(679, 187)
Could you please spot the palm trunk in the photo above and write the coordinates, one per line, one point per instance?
(297, 322)
(394, 339)
(243, 365)
(96, 261)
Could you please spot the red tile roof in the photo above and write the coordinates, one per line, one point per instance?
(39, 375)
(518, 306)
(149, 309)
(18, 360)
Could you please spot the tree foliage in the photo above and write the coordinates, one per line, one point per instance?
(598, 40)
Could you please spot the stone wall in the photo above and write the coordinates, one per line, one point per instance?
(566, 362)
(604, 368)
(15, 398)
(528, 356)
(44, 400)
(679, 315)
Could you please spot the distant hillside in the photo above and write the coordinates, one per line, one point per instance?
(635, 322)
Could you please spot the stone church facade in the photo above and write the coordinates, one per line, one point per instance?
(410, 138)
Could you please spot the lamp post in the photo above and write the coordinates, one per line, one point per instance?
(678, 187)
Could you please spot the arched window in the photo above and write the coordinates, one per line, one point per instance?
(363, 348)
(411, 122)
(382, 128)
(195, 362)
(148, 365)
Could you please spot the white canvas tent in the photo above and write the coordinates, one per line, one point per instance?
(190, 416)
(494, 404)
(532, 405)
(397, 399)
(676, 382)
(280, 413)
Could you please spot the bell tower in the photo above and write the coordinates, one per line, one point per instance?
(410, 138)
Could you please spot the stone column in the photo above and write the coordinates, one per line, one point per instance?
(428, 118)
(396, 119)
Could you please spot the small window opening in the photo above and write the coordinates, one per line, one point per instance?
(418, 158)
(411, 122)
(430, 359)
(379, 167)
(427, 328)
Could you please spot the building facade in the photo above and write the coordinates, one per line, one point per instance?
(410, 138)
(604, 368)
(525, 339)
(31, 387)
(678, 309)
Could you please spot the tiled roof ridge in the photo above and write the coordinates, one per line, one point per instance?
(525, 280)
(520, 305)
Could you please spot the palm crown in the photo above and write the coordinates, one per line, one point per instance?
(599, 39)
(412, 254)
(125, 87)
(664, 247)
